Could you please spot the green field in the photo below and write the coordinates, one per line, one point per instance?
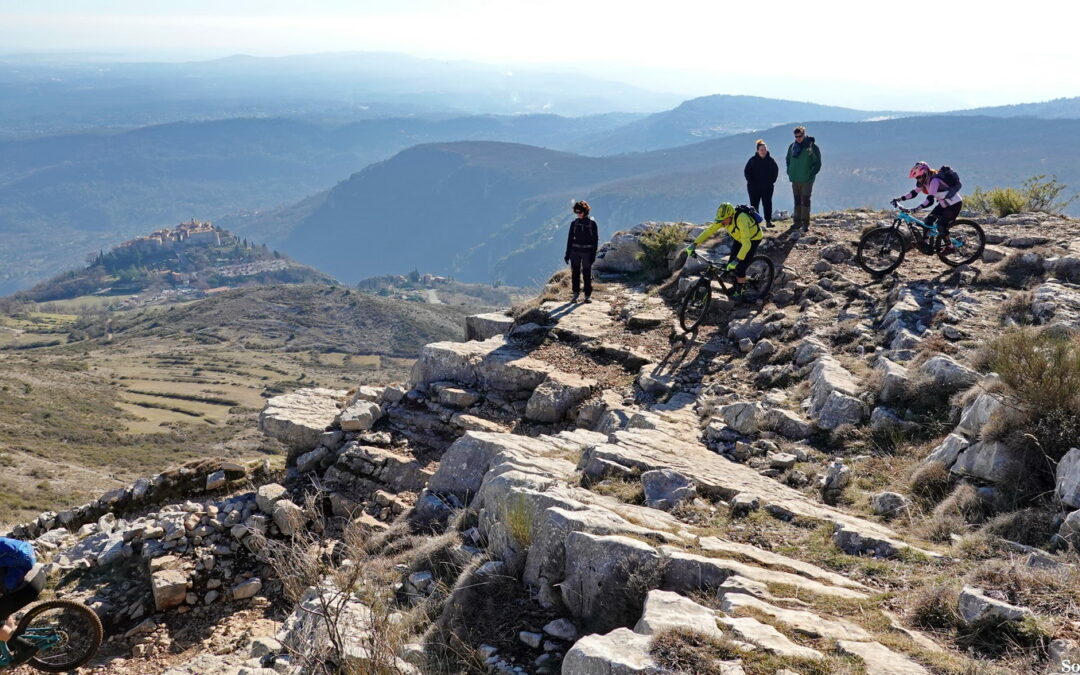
(149, 389)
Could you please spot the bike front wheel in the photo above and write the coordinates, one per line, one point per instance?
(759, 277)
(69, 634)
(963, 246)
(881, 250)
(695, 304)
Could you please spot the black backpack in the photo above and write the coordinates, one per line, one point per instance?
(749, 210)
(950, 178)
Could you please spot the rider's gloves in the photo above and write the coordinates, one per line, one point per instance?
(731, 266)
(690, 249)
(895, 203)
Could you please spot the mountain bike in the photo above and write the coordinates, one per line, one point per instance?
(882, 249)
(66, 634)
(695, 305)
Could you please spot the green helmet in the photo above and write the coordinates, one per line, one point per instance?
(724, 211)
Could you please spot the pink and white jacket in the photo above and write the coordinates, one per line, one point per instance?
(935, 189)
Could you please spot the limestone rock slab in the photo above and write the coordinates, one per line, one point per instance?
(299, 418)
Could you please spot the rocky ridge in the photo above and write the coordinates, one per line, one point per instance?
(611, 467)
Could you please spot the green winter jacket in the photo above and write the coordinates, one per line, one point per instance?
(804, 167)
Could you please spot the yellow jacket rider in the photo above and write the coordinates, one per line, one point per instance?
(746, 232)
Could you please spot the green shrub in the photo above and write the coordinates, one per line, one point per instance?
(934, 607)
(1038, 193)
(1042, 370)
(657, 245)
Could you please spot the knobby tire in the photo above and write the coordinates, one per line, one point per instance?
(82, 626)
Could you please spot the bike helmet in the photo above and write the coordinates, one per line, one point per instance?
(724, 211)
(920, 170)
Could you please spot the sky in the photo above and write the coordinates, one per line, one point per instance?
(877, 55)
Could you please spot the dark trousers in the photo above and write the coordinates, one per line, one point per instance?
(801, 193)
(581, 266)
(21, 597)
(762, 194)
(943, 216)
(741, 265)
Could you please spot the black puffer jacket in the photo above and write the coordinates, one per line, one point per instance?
(582, 237)
(761, 171)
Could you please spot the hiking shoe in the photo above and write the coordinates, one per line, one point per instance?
(573, 300)
(21, 651)
(588, 298)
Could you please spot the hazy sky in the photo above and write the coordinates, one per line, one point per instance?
(928, 56)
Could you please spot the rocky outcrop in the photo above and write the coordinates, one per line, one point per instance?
(297, 419)
(486, 326)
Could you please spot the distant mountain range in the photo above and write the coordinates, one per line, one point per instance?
(61, 196)
(494, 211)
(708, 117)
(721, 115)
(49, 95)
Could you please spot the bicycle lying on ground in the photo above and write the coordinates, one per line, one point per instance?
(695, 305)
(882, 249)
(66, 634)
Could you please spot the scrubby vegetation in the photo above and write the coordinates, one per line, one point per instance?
(658, 244)
(1038, 193)
(1041, 372)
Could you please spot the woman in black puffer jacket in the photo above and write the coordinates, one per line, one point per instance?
(761, 172)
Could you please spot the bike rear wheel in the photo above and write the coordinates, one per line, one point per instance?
(695, 304)
(963, 246)
(881, 250)
(759, 277)
(77, 627)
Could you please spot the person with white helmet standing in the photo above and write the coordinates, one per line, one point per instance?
(942, 186)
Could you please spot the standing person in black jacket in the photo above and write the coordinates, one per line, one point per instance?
(761, 172)
(581, 243)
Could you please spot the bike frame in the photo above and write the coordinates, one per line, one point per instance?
(43, 638)
(713, 271)
(913, 222)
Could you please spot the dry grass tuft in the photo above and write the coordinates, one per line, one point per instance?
(685, 651)
(934, 607)
(1031, 527)
(964, 502)
(931, 483)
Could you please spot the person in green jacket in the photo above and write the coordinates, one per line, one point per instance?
(746, 232)
(803, 163)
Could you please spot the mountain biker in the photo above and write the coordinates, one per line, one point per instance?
(949, 201)
(581, 244)
(747, 235)
(16, 559)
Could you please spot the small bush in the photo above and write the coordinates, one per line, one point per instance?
(993, 637)
(999, 201)
(657, 246)
(931, 483)
(941, 527)
(964, 502)
(1031, 527)
(1038, 193)
(1018, 308)
(935, 608)
(1042, 373)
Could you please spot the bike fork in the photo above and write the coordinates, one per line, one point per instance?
(5, 655)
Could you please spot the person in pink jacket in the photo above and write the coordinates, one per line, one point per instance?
(937, 188)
